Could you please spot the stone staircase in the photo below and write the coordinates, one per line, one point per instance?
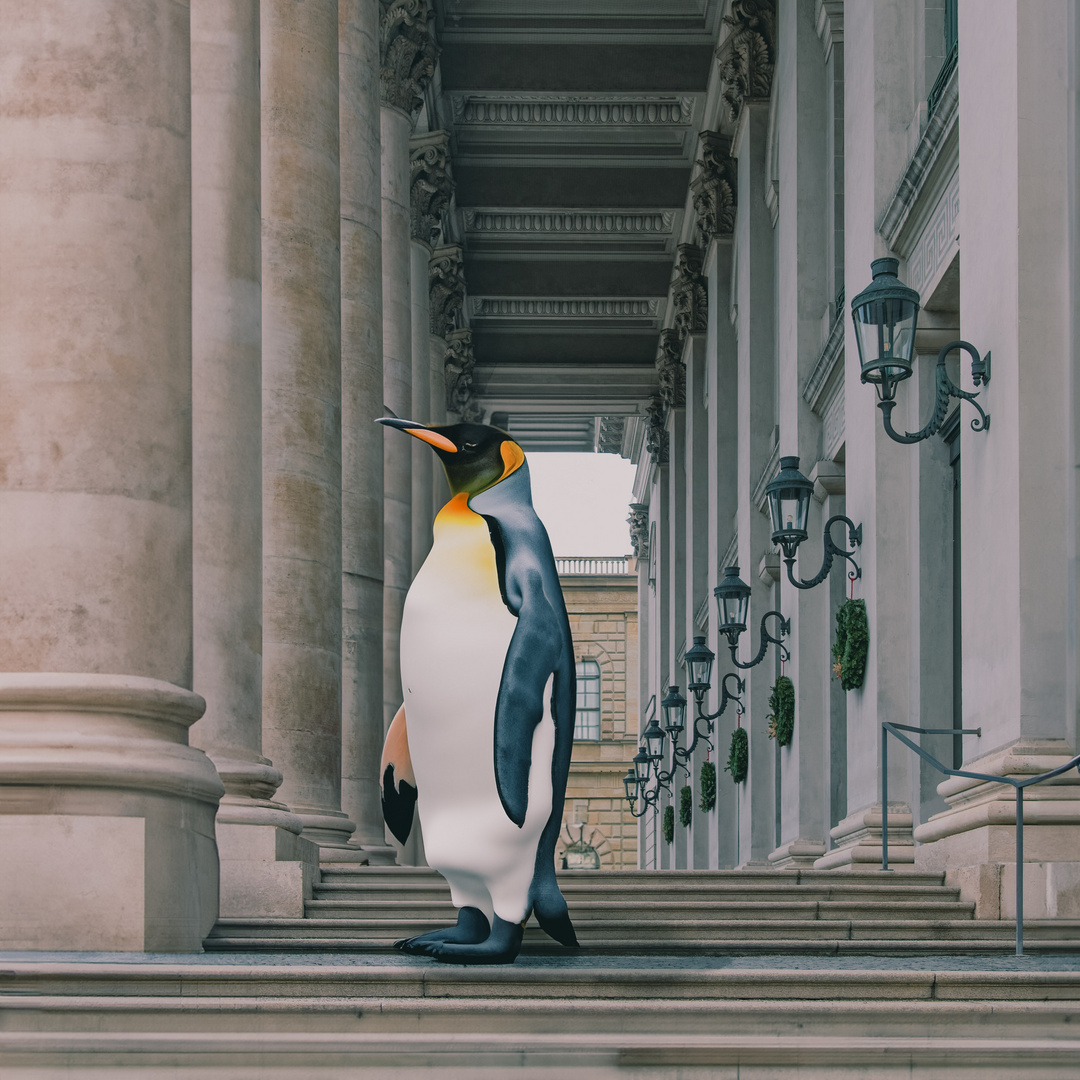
(695, 912)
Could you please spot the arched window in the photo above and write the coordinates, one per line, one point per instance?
(587, 717)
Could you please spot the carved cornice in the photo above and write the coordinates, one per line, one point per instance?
(431, 185)
(459, 365)
(639, 530)
(538, 307)
(577, 110)
(568, 221)
(748, 54)
(656, 436)
(670, 370)
(688, 293)
(714, 187)
(609, 434)
(407, 53)
(830, 24)
(446, 289)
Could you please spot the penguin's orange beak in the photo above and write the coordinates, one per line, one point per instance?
(419, 431)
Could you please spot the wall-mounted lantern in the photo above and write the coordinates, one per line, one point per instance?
(733, 603)
(886, 314)
(789, 506)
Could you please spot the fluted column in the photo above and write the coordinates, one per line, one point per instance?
(106, 813)
(361, 439)
(302, 411)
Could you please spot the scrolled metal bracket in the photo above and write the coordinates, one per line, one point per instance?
(784, 626)
(831, 551)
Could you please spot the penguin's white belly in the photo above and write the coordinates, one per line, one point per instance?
(455, 634)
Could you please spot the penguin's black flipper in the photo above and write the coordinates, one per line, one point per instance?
(531, 659)
(398, 783)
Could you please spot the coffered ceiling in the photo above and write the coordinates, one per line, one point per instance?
(574, 127)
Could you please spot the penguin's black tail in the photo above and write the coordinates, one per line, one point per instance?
(554, 919)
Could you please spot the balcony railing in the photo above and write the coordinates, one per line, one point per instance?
(619, 564)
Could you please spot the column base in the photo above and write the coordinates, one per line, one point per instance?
(796, 854)
(266, 872)
(858, 841)
(106, 815)
(974, 840)
(327, 828)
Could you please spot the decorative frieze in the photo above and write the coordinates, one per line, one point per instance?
(688, 293)
(562, 307)
(747, 55)
(639, 530)
(714, 187)
(578, 110)
(656, 436)
(609, 434)
(431, 186)
(572, 222)
(407, 53)
(446, 289)
(459, 365)
(670, 370)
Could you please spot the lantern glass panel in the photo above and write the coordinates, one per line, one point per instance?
(654, 740)
(630, 783)
(642, 765)
(674, 706)
(699, 662)
(885, 331)
(733, 602)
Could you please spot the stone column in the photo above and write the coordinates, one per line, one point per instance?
(264, 864)
(674, 590)
(361, 437)
(301, 273)
(446, 286)
(803, 296)
(878, 80)
(106, 813)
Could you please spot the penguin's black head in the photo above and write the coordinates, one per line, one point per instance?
(475, 456)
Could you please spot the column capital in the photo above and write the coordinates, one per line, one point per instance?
(639, 529)
(610, 433)
(446, 289)
(688, 293)
(656, 436)
(670, 369)
(747, 55)
(431, 184)
(459, 364)
(714, 189)
(407, 53)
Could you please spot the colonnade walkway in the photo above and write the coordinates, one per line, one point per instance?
(744, 975)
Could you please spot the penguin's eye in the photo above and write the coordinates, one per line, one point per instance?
(469, 446)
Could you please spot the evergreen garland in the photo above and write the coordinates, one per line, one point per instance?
(852, 644)
(669, 824)
(782, 711)
(708, 786)
(738, 756)
(686, 807)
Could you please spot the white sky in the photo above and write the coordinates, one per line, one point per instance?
(584, 500)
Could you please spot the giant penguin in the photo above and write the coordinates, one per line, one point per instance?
(482, 742)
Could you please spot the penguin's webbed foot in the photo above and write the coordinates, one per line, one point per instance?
(471, 928)
(501, 947)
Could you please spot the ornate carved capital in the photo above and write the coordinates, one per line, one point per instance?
(670, 369)
(748, 54)
(639, 530)
(714, 187)
(656, 436)
(407, 53)
(446, 289)
(431, 185)
(459, 365)
(688, 294)
(609, 435)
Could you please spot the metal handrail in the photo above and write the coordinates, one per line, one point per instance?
(1019, 785)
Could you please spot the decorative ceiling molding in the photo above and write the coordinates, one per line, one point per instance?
(595, 307)
(577, 110)
(570, 222)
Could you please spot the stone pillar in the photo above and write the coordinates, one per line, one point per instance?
(446, 288)
(265, 868)
(301, 275)
(803, 296)
(361, 437)
(106, 813)
(674, 592)
(1017, 298)
(878, 108)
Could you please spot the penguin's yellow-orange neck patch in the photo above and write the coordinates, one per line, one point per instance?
(513, 458)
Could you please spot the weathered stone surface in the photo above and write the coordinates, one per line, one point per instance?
(688, 292)
(408, 53)
(714, 187)
(670, 369)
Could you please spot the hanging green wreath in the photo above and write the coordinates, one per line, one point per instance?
(738, 755)
(669, 824)
(686, 807)
(852, 644)
(782, 711)
(708, 786)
